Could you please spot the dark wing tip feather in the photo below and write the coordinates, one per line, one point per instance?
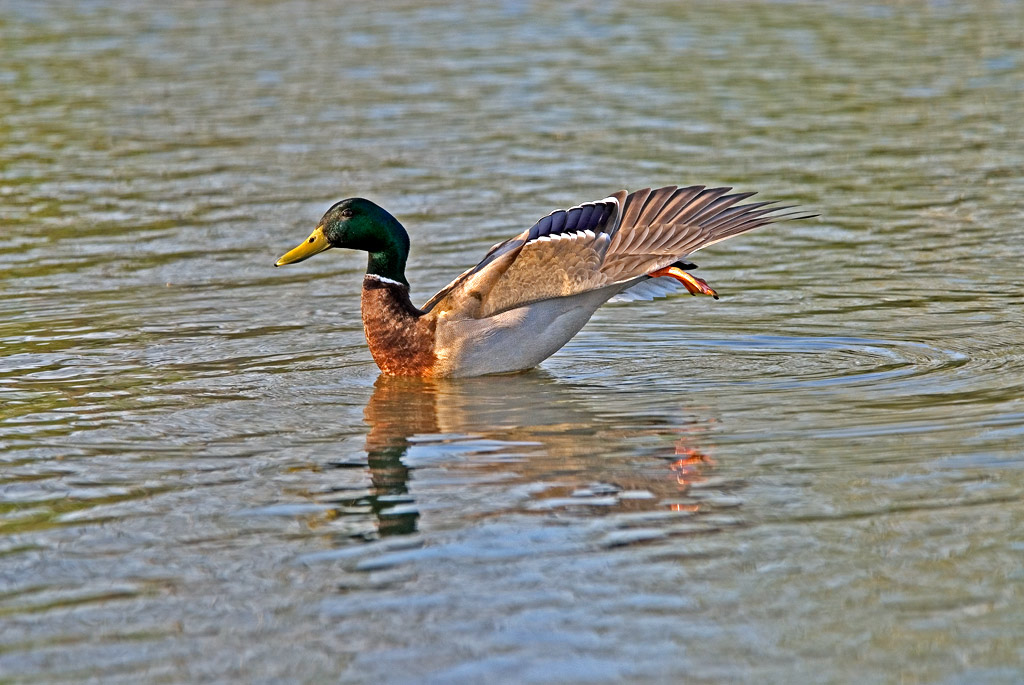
(678, 200)
(748, 221)
(654, 203)
(696, 205)
(715, 208)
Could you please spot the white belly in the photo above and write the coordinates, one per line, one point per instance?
(517, 339)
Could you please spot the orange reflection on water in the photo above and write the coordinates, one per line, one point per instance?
(690, 466)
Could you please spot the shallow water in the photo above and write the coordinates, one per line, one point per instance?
(816, 478)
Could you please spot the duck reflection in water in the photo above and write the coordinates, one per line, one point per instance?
(561, 439)
(398, 409)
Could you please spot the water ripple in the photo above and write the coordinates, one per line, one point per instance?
(816, 478)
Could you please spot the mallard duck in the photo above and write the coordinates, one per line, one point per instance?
(532, 293)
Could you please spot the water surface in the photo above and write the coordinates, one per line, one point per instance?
(816, 478)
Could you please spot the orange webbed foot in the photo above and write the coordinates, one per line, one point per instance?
(695, 286)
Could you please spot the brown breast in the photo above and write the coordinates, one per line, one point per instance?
(401, 338)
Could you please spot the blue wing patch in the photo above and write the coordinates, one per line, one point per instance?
(591, 216)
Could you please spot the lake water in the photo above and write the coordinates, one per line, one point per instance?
(817, 478)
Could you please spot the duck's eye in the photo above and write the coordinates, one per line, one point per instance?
(347, 213)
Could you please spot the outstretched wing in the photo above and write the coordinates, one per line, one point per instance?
(560, 255)
(662, 226)
(615, 241)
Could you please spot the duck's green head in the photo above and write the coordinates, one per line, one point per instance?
(358, 224)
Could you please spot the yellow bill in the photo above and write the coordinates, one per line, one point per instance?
(314, 244)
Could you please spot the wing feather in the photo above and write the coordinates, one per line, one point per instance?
(679, 200)
(654, 204)
(614, 241)
(551, 255)
(634, 204)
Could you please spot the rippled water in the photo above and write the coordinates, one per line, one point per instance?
(817, 478)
